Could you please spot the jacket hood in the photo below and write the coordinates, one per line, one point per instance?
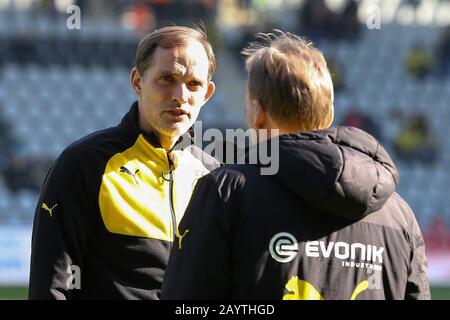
(341, 171)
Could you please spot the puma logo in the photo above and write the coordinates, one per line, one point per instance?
(303, 290)
(50, 210)
(127, 171)
(180, 237)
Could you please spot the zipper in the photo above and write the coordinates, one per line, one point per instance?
(172, 209)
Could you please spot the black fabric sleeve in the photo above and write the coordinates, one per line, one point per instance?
(200, 267)
(61, 228)
(417, 286)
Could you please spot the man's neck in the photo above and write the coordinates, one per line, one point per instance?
(167, 142)
(267, 134)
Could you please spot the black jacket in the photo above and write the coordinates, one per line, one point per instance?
(327, 225)
(108, 213)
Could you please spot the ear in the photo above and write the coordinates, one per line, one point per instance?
(209, 91)
(260, 115)
(330, 118)
(135, 80)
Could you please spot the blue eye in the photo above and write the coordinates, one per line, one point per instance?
(166, 78)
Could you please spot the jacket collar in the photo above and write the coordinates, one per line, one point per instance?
(131, 122)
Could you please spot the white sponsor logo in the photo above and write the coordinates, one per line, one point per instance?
(283, 247)
(343, 251)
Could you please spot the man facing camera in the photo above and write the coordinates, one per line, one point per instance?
(109, 209)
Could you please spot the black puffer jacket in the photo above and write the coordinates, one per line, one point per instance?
(327, 225)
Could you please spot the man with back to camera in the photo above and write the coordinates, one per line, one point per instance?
(108, 211)
(327, 225)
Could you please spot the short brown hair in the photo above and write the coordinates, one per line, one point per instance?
(170, 37)
(290, 78)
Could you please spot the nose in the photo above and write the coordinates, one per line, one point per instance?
(181, 94)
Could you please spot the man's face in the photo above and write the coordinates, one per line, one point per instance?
(172, 90)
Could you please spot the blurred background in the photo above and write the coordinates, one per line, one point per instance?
(61, 78)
